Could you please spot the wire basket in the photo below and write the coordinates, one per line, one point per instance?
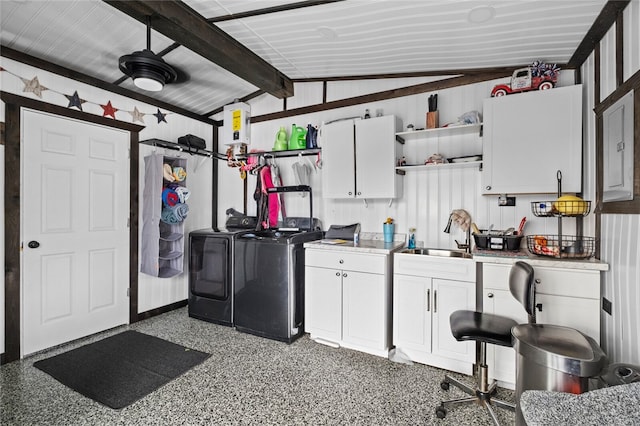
(571, 247)
(560, 208)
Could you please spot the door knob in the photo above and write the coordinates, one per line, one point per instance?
(33, 244)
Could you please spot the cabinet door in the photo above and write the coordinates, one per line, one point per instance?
(500, 359)
(323, 303)
(375, 158)
(338, 160)
(574, 312)
(412, 313)
(528, 137)
(365, 312)
(450, 296)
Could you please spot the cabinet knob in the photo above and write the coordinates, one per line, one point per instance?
(344, 275)
(337, 274)
(359, 193)
(537, 281)
(350, 193)
(490, 295)
(341, 261)
(488, 187)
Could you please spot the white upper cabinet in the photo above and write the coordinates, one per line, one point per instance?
(528, 137)
(359, 158)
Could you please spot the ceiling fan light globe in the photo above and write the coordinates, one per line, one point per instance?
(150, 69)
(147, 83)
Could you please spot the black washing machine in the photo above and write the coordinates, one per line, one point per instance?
(269, 272)
(211, 263)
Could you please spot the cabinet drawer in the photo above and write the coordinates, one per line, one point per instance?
(434, 267)
(568, 282)
(495, 276)
(372, 263)
(552, 281)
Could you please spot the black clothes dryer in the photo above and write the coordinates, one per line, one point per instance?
(211, 263)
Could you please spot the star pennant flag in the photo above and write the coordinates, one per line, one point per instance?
(137, 115)
(34, 86)
(75, 101)
(160, 116)
(109, 110)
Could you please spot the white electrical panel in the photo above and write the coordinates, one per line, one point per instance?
(237, 124)
(617, 147)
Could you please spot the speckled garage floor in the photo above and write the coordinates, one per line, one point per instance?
(248, 380)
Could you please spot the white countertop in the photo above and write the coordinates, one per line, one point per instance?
(369, 243)
(512, 257)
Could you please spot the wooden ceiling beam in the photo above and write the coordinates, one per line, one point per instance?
(601, 25)
(179, 22)
(268, 10)
(384, 95)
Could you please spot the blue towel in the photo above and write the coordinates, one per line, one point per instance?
(174, 214)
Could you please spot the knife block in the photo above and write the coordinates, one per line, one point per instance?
(432, 120)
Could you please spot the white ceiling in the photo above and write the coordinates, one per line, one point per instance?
(349, 38)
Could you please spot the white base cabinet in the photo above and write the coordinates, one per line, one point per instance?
(566, 297)
(426, 290)
(348, 299)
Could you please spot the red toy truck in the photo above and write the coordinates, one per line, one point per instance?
(539, 76)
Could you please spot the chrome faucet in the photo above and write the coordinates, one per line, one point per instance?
(466, 246)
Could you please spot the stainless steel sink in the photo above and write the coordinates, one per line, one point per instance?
(439, 252)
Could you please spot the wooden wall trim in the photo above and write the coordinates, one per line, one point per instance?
(161, 310)
(619, 49)
(12, 235)
(618, 207)
(2, 133)
(601, 25)
(24, 58)
(384, 95)
(12, 213)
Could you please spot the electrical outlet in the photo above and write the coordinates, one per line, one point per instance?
(506, 201)
(606, 305)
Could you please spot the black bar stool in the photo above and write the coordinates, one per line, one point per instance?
(494, 329)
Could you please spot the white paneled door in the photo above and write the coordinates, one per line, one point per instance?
(75, 236)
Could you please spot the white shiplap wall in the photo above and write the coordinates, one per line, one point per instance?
(620, 233)
(429, 195)
(153, 292)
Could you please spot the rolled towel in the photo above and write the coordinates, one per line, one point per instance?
(179, 174)
(167, 173)
(181, 210)
(168, 216)
(170, 197)
(175, 214)
(183, 193)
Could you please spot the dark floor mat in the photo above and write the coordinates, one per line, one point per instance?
(121, 369)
